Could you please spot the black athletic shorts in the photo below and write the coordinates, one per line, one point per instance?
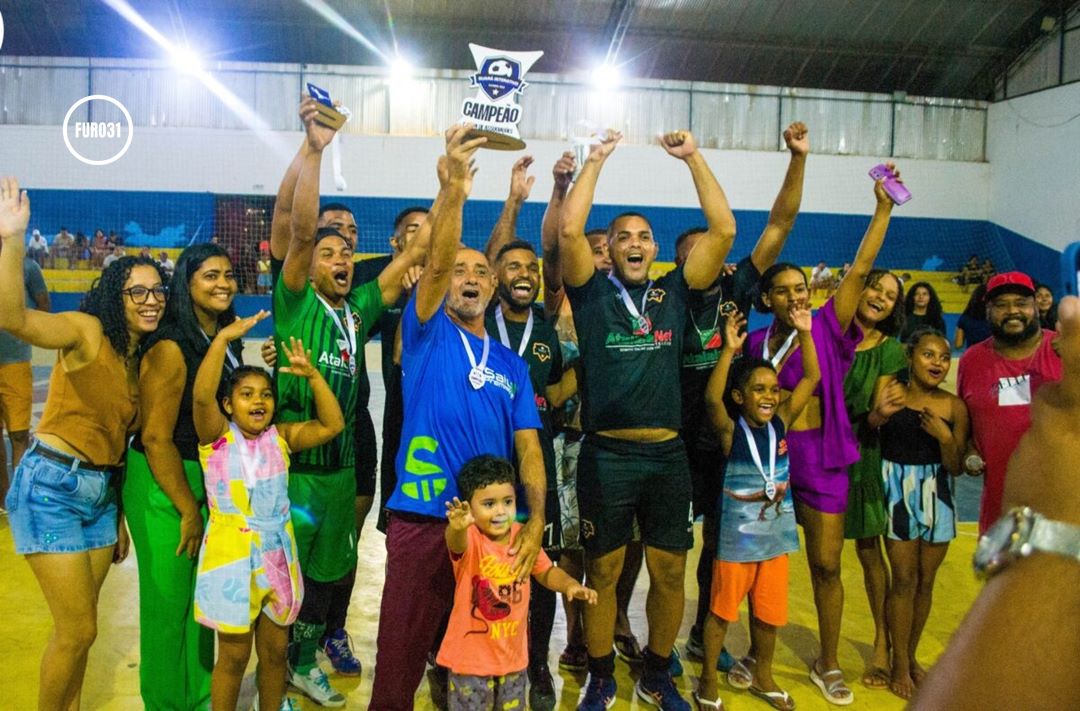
(620, 479)
(367, 453)
(706, 479)
(552, 540)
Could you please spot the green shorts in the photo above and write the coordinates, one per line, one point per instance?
(324, 519)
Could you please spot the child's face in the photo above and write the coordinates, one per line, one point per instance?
(930, 361)
(494, 508)
(251, 404)
(759, 398)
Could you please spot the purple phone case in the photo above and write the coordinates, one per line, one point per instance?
(896, 190)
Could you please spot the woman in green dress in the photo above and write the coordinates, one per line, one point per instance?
(872, 381)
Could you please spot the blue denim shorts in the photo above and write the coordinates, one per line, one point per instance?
(58, 508)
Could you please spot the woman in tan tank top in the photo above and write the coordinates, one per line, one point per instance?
(62, 502)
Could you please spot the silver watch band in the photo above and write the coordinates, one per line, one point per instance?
(1053, 537)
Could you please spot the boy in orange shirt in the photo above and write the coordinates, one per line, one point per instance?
(485, 646)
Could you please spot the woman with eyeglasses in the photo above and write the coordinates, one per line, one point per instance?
(164, 498)
(62, 504)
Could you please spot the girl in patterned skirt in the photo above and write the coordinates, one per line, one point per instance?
(248, 583)
(922, 446)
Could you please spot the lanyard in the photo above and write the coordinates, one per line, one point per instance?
(233, 363)
(476, 372)
(706, 336)
(776, 359)
(349, 334)
(637, 318)
(500, 321)
(770, 478)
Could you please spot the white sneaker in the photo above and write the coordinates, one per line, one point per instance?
(317, 687)
(287, 704)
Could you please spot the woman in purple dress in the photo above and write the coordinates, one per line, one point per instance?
(821, 442)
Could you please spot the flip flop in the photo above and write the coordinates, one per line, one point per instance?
(876, 678)
(702, 703)
(779, 700)
(740, 676)
(832, 686)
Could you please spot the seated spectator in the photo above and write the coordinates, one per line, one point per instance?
(973, 326)
(38, 248)
(969, 274)
(117, 252)
(1044, 302)
(61, 247)
(167, 265)
(80, 249)
(115, 239)
(986, 271)
(821, 279)
(145, 253)
(100, 248)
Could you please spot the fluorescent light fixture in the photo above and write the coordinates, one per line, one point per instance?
(401, 70)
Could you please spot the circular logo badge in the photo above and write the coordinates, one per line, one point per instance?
(99, 130)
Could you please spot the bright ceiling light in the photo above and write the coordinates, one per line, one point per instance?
(185, 59)
(606, 76)
(401, 70)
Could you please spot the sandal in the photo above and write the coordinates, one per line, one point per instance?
(876, 678)
(832, 686)
(628, 649)
(740, 676)
(779, 700)
(702, 703)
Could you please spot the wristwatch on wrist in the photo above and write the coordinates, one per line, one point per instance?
(1018, 534)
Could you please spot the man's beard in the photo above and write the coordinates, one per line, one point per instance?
(507, 295)
(1014, 339)
(466, 312)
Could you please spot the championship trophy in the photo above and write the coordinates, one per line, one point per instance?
(494, 111)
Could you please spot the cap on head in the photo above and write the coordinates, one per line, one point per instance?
(1016, 282)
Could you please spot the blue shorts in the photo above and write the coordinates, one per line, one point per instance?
(60, 508)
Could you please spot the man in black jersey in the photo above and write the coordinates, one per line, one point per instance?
(702, 343)
(632, 462)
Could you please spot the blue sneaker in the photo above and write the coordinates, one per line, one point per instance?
(599, 694)
(675, 667)
(661, 693)
(695, 651)
(338, 649)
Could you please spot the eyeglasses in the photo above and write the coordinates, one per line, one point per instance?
(140, 294)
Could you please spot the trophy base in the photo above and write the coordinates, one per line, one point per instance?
(497, 141)
(330, 117)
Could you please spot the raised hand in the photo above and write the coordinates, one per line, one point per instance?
(577, 591)
(14, 210)
(563, 171)
(318, 136)
(520, 181)
(882, 197)
(680, 144)
(934, 426)
(796, 136)
(601, 150)
(268, 351)
(734, 332)
(460, 165)
(800, 316)
(411, 277)
(240, 327)
(299, 360)
(459, 515)
(891, 400)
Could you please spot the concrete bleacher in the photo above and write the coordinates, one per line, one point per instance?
(953, 297)
(60, 277)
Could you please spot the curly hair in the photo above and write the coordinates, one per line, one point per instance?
(482, 471)
(934, 310)
(179, 320)
(106, 302)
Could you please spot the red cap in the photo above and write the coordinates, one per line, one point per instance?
(1017, 280)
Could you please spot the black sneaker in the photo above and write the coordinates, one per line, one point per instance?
(438, 678)
(541, 688)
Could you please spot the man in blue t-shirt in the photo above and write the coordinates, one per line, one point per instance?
(465, 394)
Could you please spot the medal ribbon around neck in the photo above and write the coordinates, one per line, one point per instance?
(770, 478)
(637, 318)
(779, 357)
(345, 329)
(476, 371)
(500, 321)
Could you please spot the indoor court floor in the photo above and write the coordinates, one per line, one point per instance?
(112, 681)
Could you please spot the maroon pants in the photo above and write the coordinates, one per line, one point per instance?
(417, 597)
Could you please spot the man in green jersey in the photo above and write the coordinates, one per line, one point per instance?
(314, 300)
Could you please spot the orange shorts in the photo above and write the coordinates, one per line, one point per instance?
(16, 395)
(764, 582)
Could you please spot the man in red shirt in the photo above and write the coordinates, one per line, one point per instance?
(998, 378)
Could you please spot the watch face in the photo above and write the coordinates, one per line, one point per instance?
(995, 543)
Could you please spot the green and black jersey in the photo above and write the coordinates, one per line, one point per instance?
(305, 316)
